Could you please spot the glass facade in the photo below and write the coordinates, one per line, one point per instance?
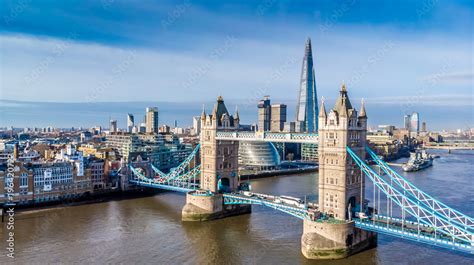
(307, 108)
(258, 155)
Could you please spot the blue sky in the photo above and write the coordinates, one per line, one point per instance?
(416, 52)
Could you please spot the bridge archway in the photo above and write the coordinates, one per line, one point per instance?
(351, 206)
(224, 185)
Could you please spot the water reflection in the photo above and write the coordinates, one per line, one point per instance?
(149, 230)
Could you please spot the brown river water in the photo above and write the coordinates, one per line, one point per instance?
(149, 230)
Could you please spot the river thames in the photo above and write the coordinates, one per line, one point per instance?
(149, 230)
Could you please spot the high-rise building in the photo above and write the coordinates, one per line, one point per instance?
(278, 117)
(307, 108)
(407, 121)
(113, 126)
(197, 125)
(130, 122)
(165, 129)
(415, 122)
(423, 126)
(152, 120)
(264, 114)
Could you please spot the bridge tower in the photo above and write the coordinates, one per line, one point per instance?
(341, 185)
(219, 159)
(219, 168)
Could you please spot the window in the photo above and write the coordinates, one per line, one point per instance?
(24, 180)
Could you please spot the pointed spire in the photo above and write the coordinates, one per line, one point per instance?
(214, 112)
(343, 109)
(203, 114)
(322, 110)
(343, 87)
(236, 114)
(362, 113)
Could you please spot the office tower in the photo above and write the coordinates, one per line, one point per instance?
(423, 126)
(415, 122)
(407, 121)
(165, 129)
(152, 120)
(278, 117)
(113, 126)
(307, 108)
(264, 114)
(142, 128)
(197, 125)
(130, 122)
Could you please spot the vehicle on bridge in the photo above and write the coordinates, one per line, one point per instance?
(292, 201)
(361, 215)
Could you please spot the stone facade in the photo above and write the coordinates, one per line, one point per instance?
(219, 169)
(219, 159)
(322, 240)
(340, 178)
(341, 185)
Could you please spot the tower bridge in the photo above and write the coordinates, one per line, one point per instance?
(341, 223)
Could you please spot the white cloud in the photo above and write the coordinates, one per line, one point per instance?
(47, 69)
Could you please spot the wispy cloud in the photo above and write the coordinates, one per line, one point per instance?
(453, 76)
(445, 100)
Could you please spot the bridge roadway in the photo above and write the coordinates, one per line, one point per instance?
(412, 231)
(301, 211)
(275, 137)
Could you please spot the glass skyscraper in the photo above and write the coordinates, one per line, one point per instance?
(307, 108)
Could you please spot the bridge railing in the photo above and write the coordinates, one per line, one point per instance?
(424, 198)
(269, 136)
(410, 205)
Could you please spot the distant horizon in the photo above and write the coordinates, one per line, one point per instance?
(19, 113)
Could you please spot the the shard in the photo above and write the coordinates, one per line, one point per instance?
(307, 108)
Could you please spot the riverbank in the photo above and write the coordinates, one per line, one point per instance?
(98, 197)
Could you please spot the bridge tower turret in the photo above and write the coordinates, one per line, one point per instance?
(219, 159)
(219, 168)
(341, 185)
(340, 181)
